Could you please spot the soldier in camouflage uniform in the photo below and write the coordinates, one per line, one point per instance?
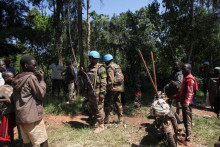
(114, 87)
(97, 76)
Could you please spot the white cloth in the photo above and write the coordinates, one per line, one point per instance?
(56, 71)
(2, 81)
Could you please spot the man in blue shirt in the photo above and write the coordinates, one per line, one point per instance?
(8, 67)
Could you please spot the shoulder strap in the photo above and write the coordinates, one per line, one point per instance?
(97, 66)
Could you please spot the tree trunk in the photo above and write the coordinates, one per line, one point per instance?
(88, 25)
(69, 30)
(80, 32)
(192, 32)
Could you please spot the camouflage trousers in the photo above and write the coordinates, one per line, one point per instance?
(96, 106)
(114, 96)
(71, 91)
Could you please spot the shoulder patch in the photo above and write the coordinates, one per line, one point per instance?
(103, 74)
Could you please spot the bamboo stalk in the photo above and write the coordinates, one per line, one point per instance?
(155, 78)
(148, 72)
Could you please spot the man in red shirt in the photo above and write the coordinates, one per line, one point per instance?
(186, 96)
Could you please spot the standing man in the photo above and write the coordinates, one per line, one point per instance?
(97, 75)
(205, 77)
(8, 67)
(70, 80)
(186, 96)
(174, 86)
(2, 69)
(56, 76)
(115, 79)
(29, 92)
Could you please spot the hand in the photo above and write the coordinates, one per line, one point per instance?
(8, 101)
(172, 82)
(40, 75)
(101, 96)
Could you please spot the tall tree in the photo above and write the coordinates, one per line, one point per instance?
(191, 30)
(12, 26)
(80, 31)
(88, 26)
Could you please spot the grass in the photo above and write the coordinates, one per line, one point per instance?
(72, 137)
(206, 130)
(58, 106)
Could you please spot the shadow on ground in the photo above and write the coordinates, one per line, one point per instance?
(153, 137)
(77, 125)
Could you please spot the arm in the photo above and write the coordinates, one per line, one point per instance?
(177, 97)
(5, 100)
(103, 82)
(38, 88)
(111, 77)
(189, 93)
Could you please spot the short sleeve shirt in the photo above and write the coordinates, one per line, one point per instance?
(56, 71)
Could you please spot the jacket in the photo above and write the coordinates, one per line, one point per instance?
(111, 83)
(99, 71)
(188, 91)
(28, 96)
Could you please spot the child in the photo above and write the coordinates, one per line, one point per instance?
(8, 117)
(29, 91)
(137, 94)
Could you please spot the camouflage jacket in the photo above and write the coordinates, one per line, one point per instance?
(111, 84)
(101, 83)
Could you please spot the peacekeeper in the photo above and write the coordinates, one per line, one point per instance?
(114, 87)
(97, 75)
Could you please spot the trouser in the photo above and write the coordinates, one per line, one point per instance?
(187, 120)
(179, 111)
(116, 97)
(56, 84)
(71, 91)
(96, 106)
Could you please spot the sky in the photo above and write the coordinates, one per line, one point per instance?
(110, 7)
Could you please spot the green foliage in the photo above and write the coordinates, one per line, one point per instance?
(12, 27)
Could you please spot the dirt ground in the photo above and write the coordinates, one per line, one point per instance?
(141, 123)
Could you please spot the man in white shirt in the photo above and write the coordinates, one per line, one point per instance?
(2, 69)
(56, 76)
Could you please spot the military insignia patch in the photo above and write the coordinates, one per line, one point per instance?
(103, 75)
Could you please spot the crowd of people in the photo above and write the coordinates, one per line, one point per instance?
(23, 94)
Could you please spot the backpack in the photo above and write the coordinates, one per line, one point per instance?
(119, 77)
(159, 108)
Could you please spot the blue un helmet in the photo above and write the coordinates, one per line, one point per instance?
(206, 63)
(94, 54)
(107, 57)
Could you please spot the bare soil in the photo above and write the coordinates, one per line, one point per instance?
(141, 123)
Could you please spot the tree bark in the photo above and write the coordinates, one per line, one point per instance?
(69, 30)
(80, 32)
(88, 25)
(192, 32)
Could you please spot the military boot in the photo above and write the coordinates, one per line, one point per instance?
(106, 120)
(99, 129)
(120, 120)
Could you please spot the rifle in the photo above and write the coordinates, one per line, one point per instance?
(89, 82)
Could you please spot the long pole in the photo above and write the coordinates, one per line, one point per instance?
(155, 78)
(148, 72)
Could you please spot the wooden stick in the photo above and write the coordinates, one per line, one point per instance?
(145, 65)
(155, 78)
